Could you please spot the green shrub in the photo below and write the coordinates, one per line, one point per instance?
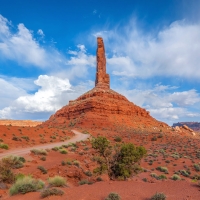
(118, 139)
(57, 181)
(85, 132)
(50, 192)
(196, 176)
(99, 179)
(154, 138)
(84, 181)
(39, 152)
(22, 159)
(42, 169)
(162, 169)
(125, 161)
(154, 175)
(158, 196)
(73, 149)
(4, 146)
(16, 138)
(197, 167)
(19, 176)
(6, 173)
(69, 162)
(63, 151)
(63, 163)
(25, 138)
(145, 179)
(43, 158)
(162, 176)
(85, 149)
(121, 160)
(184, 173)
(55, 148)
(88, 173)
(25, 185)
(113, 196)
(13, 162)
(176, 177)
(76, 162)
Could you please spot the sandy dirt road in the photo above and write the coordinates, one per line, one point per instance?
(23, 151)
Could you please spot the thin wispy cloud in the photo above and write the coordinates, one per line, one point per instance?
(173, 51)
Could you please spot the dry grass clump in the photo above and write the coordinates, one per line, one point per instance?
(158, 196)
(26, 184)
(50, 192)
(6, 165)
(4, 146)
(113, 196)
(57, 181)
(39, 152)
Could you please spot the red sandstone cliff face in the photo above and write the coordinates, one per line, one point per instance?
(100, 101)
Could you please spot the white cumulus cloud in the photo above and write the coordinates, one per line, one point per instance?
(53, 93)
(165, 104)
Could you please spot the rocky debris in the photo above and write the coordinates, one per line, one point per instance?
(193, 125)
(187, 128)
(176, 128)
(19, 122)
(184, 128)
(193, 133)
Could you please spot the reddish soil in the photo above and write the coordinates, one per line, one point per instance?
(19, 122)
(128, 190)
(23, 151)
(19, 137)
(160, 153)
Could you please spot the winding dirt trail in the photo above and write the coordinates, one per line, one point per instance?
(20, 152)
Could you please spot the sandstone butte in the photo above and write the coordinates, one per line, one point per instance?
(103, 107)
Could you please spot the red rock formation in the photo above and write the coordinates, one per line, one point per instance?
(102, 103)
(102, 79)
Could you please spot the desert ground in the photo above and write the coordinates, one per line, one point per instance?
(164, 150)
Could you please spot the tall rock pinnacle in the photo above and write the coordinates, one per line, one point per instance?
(102, 79)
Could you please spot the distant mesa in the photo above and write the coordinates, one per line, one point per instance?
(30, 123)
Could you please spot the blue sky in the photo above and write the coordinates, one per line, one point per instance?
(48, 47)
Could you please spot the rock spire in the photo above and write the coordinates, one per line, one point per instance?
(102, 79)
